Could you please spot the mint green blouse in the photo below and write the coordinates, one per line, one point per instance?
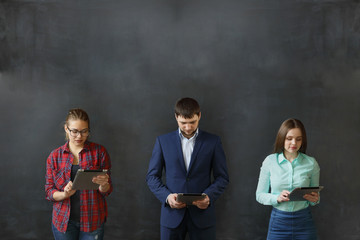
(278, 174)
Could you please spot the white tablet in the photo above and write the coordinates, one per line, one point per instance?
(83, 179)
(189, 198)
(298, 193)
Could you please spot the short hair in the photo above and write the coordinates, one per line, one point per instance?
(187, 107)
(77, 114)
(285, 127)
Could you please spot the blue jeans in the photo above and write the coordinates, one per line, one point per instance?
(73, 233)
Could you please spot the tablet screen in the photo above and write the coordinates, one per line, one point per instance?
(189, 198)
(298, 193)
(83, 179)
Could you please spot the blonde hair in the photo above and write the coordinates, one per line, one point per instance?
(76, 114)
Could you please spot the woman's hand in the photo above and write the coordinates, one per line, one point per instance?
(103, 181)
(312, 197)
(68, 192)
(283, 197)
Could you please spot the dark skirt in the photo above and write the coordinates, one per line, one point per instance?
(297, 225)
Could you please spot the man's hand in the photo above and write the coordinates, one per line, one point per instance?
(171, 200)
(202, 204)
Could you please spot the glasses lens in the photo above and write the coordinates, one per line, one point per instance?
(75, 133)
(84, 132)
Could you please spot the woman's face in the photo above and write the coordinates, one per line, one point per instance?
(77, 131)
(293, 141)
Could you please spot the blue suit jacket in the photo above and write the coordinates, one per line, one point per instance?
(207, 158)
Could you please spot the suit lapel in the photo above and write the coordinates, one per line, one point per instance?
(179, 150)
(198, 143)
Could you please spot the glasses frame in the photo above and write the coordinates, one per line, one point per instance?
(82, 133)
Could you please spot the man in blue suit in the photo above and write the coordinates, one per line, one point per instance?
(194, 162)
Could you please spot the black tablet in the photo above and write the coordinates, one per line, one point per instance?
(83, 179)
(189, 198)
(298, 193)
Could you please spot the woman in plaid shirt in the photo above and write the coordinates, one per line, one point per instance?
(77, 214)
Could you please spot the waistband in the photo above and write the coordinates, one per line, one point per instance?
(305, 210)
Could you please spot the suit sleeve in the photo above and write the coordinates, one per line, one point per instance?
(154, 174)
(220, 173)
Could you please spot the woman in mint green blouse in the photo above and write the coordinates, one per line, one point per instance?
(287, 168)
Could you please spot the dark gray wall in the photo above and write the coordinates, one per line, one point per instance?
(251, 64)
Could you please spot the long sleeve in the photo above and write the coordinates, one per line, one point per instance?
(49, 180)
(262, 192)
(315, 180)
(106, 164)
(278, 174)
(93, 206)
(154, 175)
(220, 173)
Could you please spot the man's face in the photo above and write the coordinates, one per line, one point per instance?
(188, 126)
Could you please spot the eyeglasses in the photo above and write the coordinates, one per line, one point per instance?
(74, 133)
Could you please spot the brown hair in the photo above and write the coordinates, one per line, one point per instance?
(76, 114)
(187, 107)
(285, 127)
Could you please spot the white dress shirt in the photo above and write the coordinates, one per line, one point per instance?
(188, 147)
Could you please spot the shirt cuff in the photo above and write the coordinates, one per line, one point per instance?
(274, 201)
(51, 195)
(166, 200)
(107, 193)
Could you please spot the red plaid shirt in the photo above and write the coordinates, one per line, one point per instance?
(93, 207)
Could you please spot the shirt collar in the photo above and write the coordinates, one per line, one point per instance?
(282, 158)
(66, 148)
(193, 137)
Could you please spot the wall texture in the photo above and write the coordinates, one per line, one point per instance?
(251, 64)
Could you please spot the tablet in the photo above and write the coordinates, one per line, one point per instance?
(83, 179)
(298, 193)
(189, 198)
